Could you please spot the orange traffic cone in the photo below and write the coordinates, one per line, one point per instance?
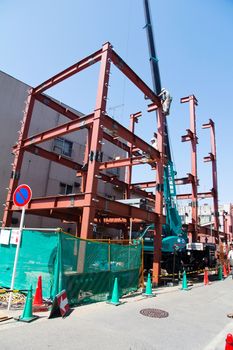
(224, 271)
(38, 300)
(229, 342)
(206, 277)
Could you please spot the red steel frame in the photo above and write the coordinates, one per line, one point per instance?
(192, 178)
(192, 136)
(212, 157)
(88, 207)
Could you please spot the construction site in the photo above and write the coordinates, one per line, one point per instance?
(75, 221)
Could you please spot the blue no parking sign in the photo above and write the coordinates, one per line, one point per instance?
(22, 195)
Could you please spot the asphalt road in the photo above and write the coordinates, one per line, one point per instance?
(197, 320)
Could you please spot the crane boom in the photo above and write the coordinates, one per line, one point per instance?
(172, 216)
(156, 80)
(152, 50)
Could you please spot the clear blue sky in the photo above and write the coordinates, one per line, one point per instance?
(194, 46)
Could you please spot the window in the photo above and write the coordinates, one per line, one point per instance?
(65, 188)
(63, 146)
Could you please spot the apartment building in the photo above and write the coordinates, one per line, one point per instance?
(206, 217)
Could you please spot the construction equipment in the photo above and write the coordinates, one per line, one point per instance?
(173, 221)
(174, 237)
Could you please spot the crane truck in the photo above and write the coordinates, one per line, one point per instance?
(176, 252)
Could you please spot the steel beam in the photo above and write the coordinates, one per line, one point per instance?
(54, 157)
(54, 202)
(200, 195)
(118, 209)
(116, 142)
(124, 162)
(58, 107)
(58, 131)
(150, 184)
(127, 135)
(68, 72)
(136, 80)
(68, 203)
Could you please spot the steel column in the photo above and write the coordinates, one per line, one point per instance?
(213, 158)
(159, 199)
(128, 176)
(96, 143)
(85, 160)
(192, 136)
(16, 168)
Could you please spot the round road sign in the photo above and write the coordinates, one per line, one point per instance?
(22, 195)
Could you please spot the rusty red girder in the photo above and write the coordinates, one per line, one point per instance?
(192, 136)
(127, 135)
(213, 158)
(73, 201)
(57, 158)
(60, 130)
(86, 207)
(67, 73)
(200, 195)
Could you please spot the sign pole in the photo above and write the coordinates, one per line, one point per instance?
(16, 256)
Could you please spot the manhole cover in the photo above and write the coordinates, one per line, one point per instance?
(157, 313)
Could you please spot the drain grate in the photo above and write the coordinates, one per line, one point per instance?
(156, 313)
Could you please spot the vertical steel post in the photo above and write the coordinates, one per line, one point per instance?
(128, 176)
(85, 160)
(214, 176)
(192, 136)
(159, 199)
(213, 159)
(96, 144)
(16, 168)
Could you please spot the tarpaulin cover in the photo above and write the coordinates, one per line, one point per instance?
(85, 269)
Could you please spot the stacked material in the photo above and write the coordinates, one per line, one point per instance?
(18, 299)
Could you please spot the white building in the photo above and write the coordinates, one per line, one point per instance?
(206, 217)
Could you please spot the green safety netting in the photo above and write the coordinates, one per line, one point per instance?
(85, 269)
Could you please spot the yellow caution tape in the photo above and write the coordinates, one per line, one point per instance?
(3, 290)
(188, 273)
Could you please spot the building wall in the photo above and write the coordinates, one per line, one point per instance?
(205, 214)
(43, 176)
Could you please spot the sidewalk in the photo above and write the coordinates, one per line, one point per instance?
(197, 320)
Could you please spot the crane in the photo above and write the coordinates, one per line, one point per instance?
(173, 222)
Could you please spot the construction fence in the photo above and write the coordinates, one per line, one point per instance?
(85, 269)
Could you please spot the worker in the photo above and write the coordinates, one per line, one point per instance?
(230, 258)
(166, 100)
